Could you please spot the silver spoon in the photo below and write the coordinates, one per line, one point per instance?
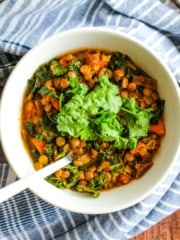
(23, 183)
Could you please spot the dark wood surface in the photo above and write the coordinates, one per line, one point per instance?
(167, 229)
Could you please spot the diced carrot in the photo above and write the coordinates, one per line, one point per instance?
(64, 61)
(38, 144)
(55, 104)
(92, 59)
(158, 128)
(102, 63)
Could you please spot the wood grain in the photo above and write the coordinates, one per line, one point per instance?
(167, 229)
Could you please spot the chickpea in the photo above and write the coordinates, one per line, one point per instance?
(60, 141)
(38, 165)
(75, 142)
(92, 168)
(124, 94)
(104, 165)
(105, 70)
(105, 145)
(80, 175)
(85, 158)
(124, 179)
(125, 82)
(43, 159)
(48, 84)
(64, 83)
(131, 86)
(85, 69)
(69, 57)
(77, 163)
(71, 74)
(118, 74)
(58, 173)
(83, 183)
(65, 174)
(88, 175)
(129, 157)
(82, 160)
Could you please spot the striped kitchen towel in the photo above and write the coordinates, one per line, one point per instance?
(23, 24)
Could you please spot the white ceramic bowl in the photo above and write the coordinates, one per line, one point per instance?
(118, 198)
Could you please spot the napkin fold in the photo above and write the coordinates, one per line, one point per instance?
(24, 24)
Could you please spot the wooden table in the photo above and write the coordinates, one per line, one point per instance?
(167, 229)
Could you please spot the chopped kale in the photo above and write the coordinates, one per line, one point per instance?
(38, 78)
(118, 60)
(31, 128)
(98, 182)
(57, 182)
(123, 61)
(49, 150)
(159, 112)
(44, 91)
(74, 66)
(117, 168)
(35, 153)
(106, 124)
(57, 68)
(115, 159)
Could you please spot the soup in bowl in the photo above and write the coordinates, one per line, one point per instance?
(105, 99)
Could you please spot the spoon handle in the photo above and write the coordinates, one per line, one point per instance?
(23, 183)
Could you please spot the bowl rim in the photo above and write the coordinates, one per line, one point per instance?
(34, 187)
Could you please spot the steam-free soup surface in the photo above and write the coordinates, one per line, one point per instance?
(98, 107)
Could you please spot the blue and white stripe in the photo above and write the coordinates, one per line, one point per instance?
(24, 24)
